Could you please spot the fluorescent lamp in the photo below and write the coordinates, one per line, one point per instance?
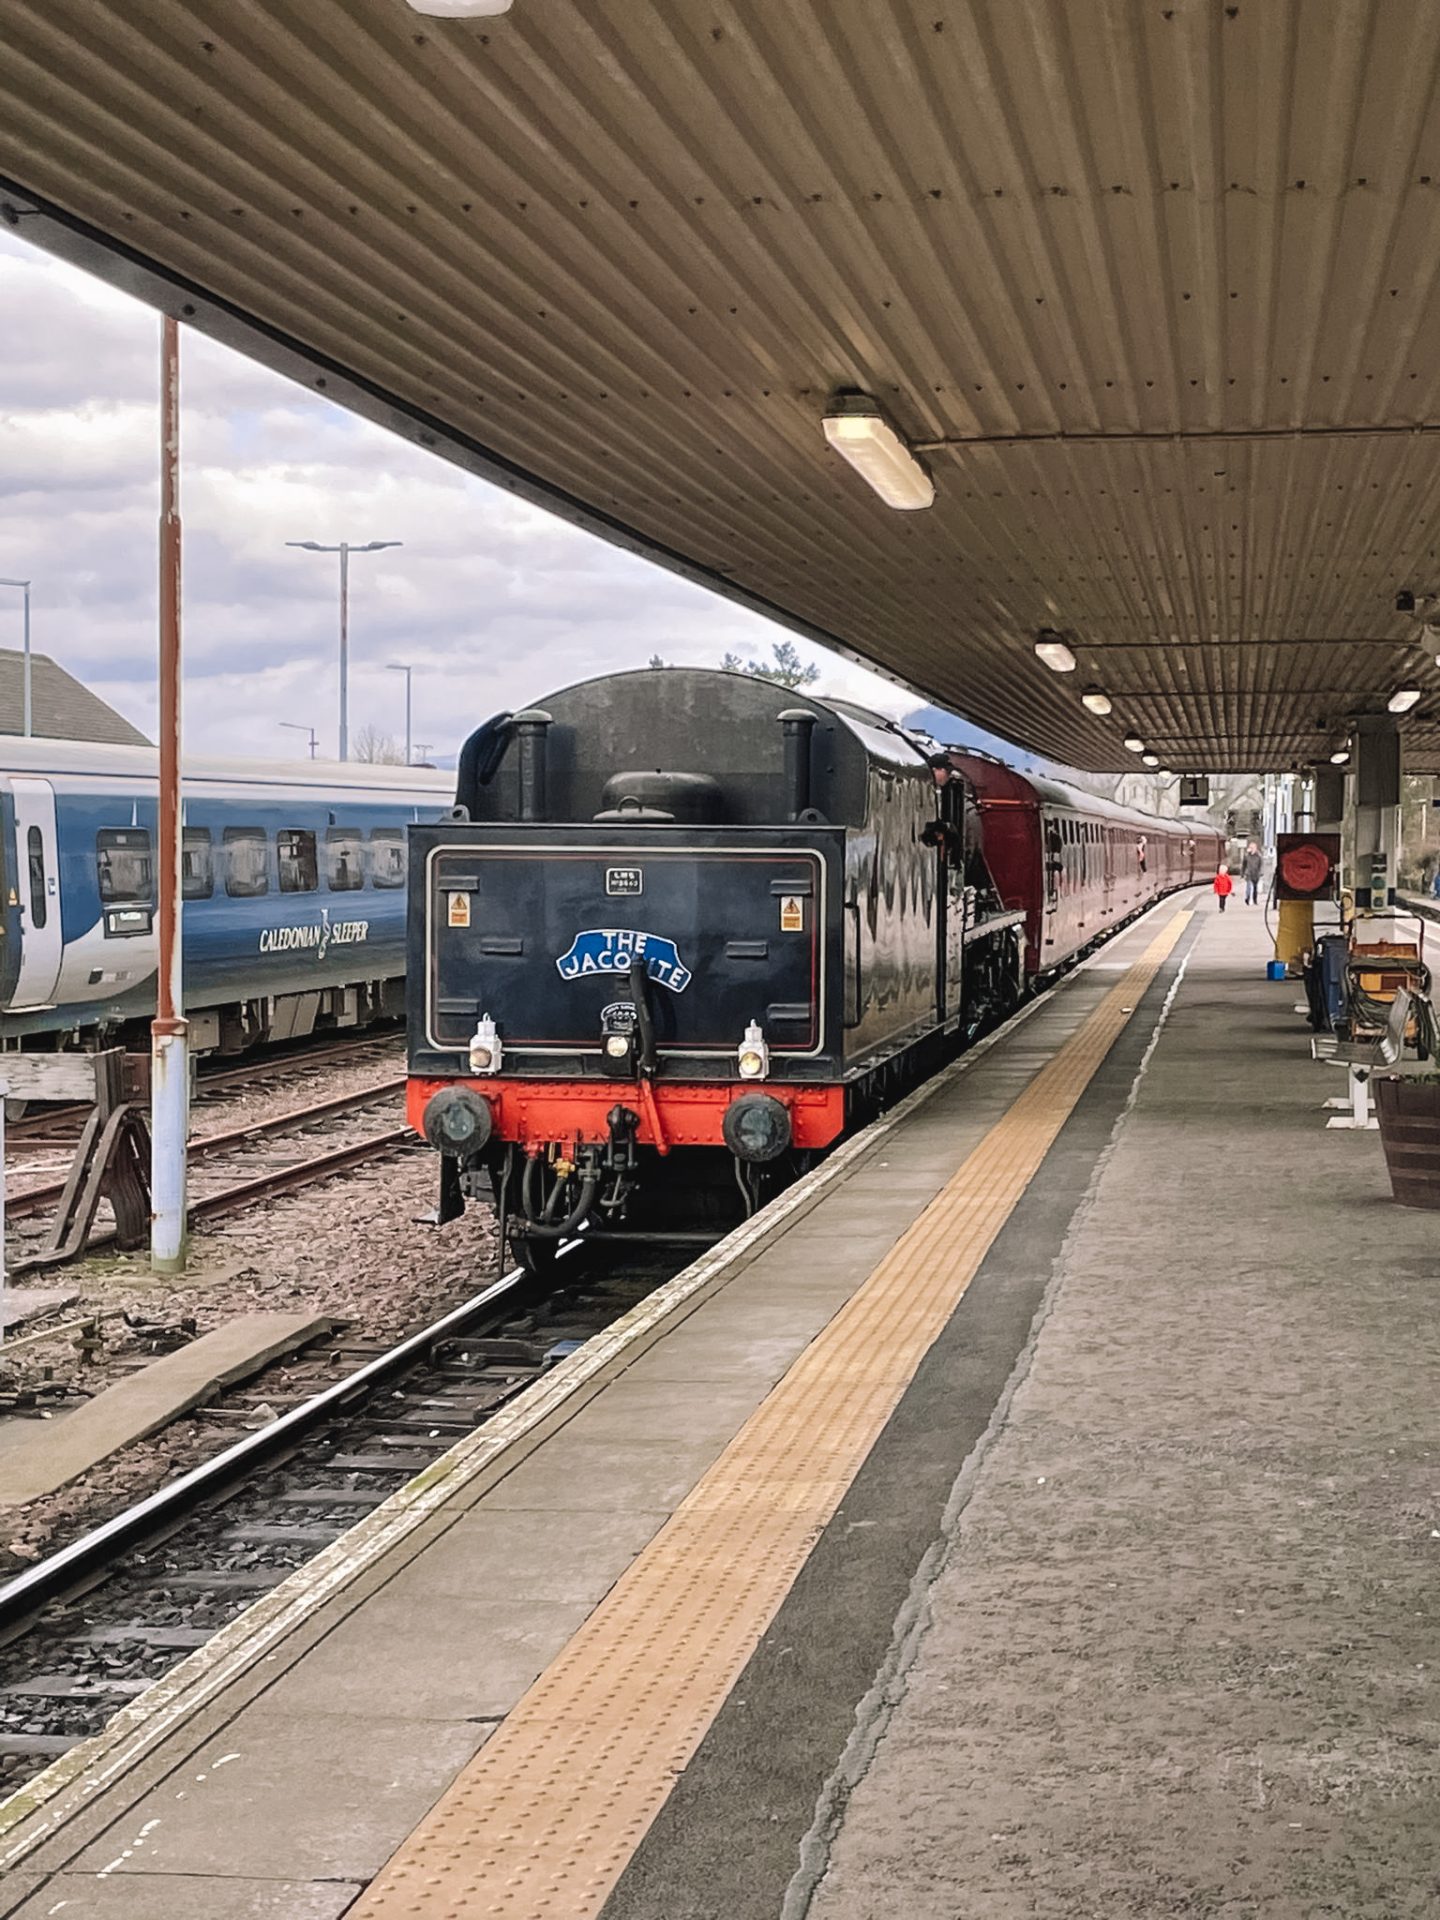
(1402, 700)
(1151, 759)
(859, 432)
(1133, 743)
(1095, 701)
(1050, 648)
(461, 9)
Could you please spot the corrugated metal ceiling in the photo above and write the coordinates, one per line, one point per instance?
(1161, 278)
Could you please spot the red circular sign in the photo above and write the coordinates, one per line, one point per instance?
(1305, 868)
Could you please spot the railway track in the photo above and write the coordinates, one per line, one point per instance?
(240, 1166)
(84, 1630)
(54, 1123)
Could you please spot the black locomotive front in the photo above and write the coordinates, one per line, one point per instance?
(676, 911)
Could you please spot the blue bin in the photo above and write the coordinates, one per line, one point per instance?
(1275, 970)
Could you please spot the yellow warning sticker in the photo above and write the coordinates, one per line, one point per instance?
(459, 909)
(792, 913)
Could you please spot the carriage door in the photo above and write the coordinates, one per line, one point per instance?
(956, 896)
(37, 882)
(1107, 836)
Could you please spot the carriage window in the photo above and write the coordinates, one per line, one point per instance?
(197, 865)
(127, 874)
(298, 870)
(35, 854)
(387, 857)
(247, 862)
(344, 859)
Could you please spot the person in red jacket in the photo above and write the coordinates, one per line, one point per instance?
(1224, 887)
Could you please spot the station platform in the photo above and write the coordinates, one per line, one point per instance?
(1035, 1513)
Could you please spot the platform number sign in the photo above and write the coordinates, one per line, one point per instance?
(627, 881)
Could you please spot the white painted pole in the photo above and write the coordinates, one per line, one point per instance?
(169, 1035)
(4, 1095)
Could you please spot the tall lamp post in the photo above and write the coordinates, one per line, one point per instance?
(299, 726)
(344, 549)
(395, 667)
(24, 586)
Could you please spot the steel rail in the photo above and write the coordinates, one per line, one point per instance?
(34, 1126)
(51, 1578)
(31, 1199)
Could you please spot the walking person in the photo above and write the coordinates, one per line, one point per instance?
(1224, 887)
(1250, 867)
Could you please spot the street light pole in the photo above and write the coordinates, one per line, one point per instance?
(299, 726)
(24, 586)
(395, 667)
(344, 549)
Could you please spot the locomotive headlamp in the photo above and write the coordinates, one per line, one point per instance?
(458, 1121)
(486, 1050)
(756, 1127)
(753, 1056)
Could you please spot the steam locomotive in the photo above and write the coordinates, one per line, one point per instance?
(685, 928)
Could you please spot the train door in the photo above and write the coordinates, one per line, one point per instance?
(1107, 854)
(37, 882)
(954, 896)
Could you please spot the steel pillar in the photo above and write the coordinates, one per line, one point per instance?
(1377, 809)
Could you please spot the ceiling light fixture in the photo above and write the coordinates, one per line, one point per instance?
(857, 429)
(1403, 699)
(1094, 701)
(461, 9)
(1133, 743)
(1151, 759)
(1050, 648)
(1339, 753)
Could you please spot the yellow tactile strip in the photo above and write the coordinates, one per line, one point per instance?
(542, 1822)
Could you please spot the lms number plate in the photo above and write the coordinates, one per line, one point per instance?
(624, 880)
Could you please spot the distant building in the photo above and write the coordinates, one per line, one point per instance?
(61, 708)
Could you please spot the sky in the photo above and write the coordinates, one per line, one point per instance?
(494, 603)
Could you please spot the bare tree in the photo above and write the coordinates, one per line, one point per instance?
(377, 749)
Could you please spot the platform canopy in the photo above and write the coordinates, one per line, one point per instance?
(1160, 280)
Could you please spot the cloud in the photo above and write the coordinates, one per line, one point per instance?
(492, 601)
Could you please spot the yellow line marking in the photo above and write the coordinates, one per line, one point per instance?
(544, 1819)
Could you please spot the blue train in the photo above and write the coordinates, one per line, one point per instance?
(294, 893)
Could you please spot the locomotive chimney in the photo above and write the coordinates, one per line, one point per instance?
(531, 727)
(799, 724)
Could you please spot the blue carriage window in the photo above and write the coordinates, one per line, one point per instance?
(296, 852)
(387, 857)
(197, 864)
(247, 862)
(127, 873)
(344, 859)
(35, 853)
